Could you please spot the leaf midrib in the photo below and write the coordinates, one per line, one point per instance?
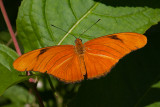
(78, 21)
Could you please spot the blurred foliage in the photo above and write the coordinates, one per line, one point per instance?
(19, 97)
(133, 82)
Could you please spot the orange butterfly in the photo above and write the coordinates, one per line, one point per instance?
(83, 61)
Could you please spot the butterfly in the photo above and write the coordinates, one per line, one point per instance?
(92, 59)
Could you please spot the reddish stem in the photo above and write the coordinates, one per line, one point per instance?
(9, 27)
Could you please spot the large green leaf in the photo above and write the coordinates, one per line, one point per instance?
(130, 81)
(35, 18)
(8, 76)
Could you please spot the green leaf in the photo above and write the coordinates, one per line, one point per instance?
(75, 16)
(8, 76)
(157, 85)
(157, 104)
(18, 96)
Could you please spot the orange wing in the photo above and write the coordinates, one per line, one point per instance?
(60, 61)
(102, 53)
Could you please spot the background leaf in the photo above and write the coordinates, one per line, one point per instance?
(8, 76)
(19, 97)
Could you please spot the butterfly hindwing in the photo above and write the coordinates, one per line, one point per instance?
(69, 70)
(98, 65)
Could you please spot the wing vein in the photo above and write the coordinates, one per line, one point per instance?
(61, 62)
(94, 66)
(51, 58)
(66, 67)
(102, 54)
(110, 47)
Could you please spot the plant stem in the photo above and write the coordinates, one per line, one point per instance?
(9, 27)
(37, 95)
(10, 41)
(58, 98)
(50, 83)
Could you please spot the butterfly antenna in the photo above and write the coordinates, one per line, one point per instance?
(90, 26)
(62, 30)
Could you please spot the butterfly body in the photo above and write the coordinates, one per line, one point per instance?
(83, 61)
(79, 47)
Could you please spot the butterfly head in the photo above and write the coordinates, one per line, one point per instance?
(78, 41)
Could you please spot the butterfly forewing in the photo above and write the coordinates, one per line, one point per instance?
(60, 61)
(102, 53)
